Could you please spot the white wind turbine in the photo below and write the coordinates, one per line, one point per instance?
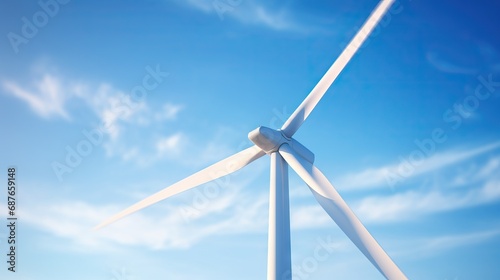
(284, 151)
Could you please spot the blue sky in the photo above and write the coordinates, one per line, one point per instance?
(409, 134)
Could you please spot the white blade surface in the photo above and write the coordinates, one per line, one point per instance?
(217, 170)
(343, 216)
(302, 112)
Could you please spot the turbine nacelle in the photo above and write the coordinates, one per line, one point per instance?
(270, 140)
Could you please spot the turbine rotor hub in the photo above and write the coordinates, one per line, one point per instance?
(270, 140)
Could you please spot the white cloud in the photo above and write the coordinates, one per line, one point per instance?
(481, 187)
(377, 176)
(169, 112)
(235, 212)
(114, 108)
(247, 13)
(229, 213)
(310, 216)
(413, 204)
(482, 58)
(404, 206)
(422, 247)
(446, 66)
(122, 118)
(410, 205)
(277, 21)
(487, 170)
(170, 144)
(118, 115)
(168, 147)
(47, 98)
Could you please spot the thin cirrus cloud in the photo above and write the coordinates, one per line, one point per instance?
(404, 206)
(412, 204)
(173, 230)
(113, 107)
(115, 111)
(377, 177)
(177, 227)
(482, 189)
(246, 13)
(185, 225)
(120, 118)
(484, 56)
(47, 98)
(170, 144)
(423, 247)
(447, 66)
(169, 112)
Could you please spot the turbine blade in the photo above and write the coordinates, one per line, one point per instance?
(305, 108)
(215, 171)
(343, 216)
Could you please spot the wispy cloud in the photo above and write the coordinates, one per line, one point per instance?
(247, 12)
(73, 220)
(115, 112)
(482, 57)
(233, 212)
(492, 165)
(309, 216)
(429, 246)
(446, 66)
(479, 189)
(260, 15)
(404, 206)
(449, 242)
(374, 177)
(169, 111)
(47, 98)
(414, 204)
(170, 144)
(113, 107)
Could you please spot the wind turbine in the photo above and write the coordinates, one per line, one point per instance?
(286, 151)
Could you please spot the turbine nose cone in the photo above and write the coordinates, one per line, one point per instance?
(266, 138)
(255, 134)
